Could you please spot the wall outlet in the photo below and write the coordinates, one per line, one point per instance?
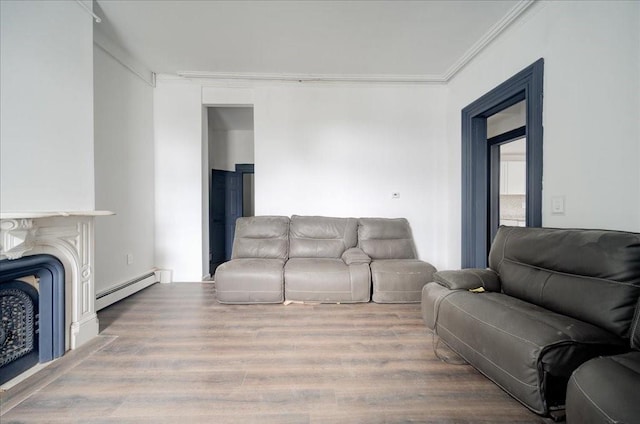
(129, 258)
(557, 205)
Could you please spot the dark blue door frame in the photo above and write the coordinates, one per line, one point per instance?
(477, 195)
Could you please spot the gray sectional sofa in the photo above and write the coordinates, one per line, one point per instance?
(322, 260)
(550, 300)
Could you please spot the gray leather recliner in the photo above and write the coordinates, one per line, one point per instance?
(553, 299)
(324, 265)
(255, 273)
(607, 389)
(397, 273)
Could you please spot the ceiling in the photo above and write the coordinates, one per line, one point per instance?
(289, 39)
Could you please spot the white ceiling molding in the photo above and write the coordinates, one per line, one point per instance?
(483, 42)
(89, 11)
(123, 58)
(406, 79)
(493, 32)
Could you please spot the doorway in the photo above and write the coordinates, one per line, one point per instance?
(507, 141)
(232, 180)
(485, 164)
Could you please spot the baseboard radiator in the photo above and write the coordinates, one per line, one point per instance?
(119, 292)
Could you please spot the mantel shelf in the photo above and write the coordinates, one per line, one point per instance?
(32, 214)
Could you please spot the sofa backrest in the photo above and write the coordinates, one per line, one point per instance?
(591, 275)
(321, 237)
(265, 237)
(386, 238)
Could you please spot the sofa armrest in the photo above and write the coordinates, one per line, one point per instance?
(355, 255)
(469, 279)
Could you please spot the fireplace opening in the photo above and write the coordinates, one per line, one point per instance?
(32, 300)
(19, 331)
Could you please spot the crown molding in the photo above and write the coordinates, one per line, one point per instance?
(491, 35)
(351, 78)
(483, 42)
(120, 55)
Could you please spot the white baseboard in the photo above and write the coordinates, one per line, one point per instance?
(125, 289)
(164, 276)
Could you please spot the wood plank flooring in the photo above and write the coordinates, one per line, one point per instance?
(179, 356)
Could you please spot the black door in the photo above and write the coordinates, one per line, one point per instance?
(225, 207)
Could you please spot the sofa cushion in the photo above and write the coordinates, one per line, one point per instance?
(326, 280)
(261, 237)
(386, 238)
(250, 281)
(605, 390)
(399, 280)
(527, 350)
(321, 237)
(591, 275)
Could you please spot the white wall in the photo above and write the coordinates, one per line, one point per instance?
(46, 107)
(179, 179)
(336, 150)
(124, 173)
(229, 147)
(342, 150)
(591, 109)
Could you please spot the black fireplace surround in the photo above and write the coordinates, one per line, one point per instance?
(32, 328)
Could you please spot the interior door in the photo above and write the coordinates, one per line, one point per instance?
(225, 209)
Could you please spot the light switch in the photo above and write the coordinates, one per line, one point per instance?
(557, 205)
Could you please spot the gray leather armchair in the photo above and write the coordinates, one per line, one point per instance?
(324, 265)
(397, 273)
(255, 273)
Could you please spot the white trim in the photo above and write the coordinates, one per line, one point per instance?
(150, 82)
(405, 79)
(89, 11)
(35, 214)
(84, 330)
(164, 276)
(127, 289)
(120, 55)
(483, 42)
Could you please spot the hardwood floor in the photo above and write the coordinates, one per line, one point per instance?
(171, 353)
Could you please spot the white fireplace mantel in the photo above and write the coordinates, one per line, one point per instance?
(23, 215)
(68, 236)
